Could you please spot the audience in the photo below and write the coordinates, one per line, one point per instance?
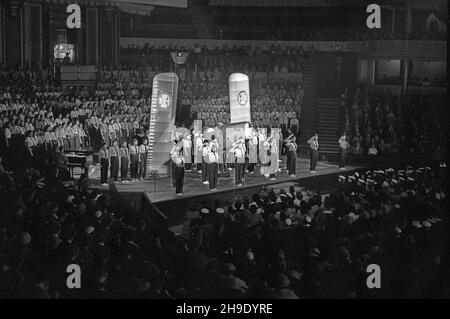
(387, 123)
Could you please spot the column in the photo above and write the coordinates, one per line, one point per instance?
(32, 34)
(92, 35)
(13, 34)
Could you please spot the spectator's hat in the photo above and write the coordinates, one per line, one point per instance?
(250, 255)
(351, 178)
(356, 174)
(98, 213)
(416, 224)
(410, 179)
(341, 178)
(351, 217)
(397, 230)
(229, 267)
(89, 230)
(220, 210)
(428, 168)
(315, 252)
(308, 219)
(426, 224)
(361, 181)
(288, 221)
(394, 181)
(204, 210)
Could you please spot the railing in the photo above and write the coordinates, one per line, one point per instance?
(403, 49)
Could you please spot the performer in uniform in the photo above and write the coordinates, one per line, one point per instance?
(114, 159)
(314, 152)
(252, 151)
(178, 161)
(291, 158)
(343, 145)
(173, 151)
(187, 152)
(238, 148)
(134, 159)
(274, 156)
(205, 159)
(143, 151)
(198, 139)
(124, 161)
(104, 164)
(212, 166)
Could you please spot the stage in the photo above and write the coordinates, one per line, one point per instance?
(160, 189)
(160, 193)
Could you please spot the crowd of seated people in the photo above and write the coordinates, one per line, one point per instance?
(381, 122)
(274, 102)
(48, 222)
(389, 79)
(439, 81)
(282, 245)
(353, 34)
(36, 112)
(256, 58)
(292, 244)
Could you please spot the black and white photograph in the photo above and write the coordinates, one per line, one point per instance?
(223, 154)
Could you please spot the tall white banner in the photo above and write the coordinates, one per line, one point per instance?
(239, 98)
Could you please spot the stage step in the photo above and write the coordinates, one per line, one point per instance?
(329, 124)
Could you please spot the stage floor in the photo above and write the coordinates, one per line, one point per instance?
(161, 190)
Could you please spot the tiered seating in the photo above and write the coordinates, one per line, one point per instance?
(162, 23)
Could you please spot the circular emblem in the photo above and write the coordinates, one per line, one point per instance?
(242, 98)
(163, 100)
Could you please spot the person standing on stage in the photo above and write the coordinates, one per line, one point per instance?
(173, 151)
(274, 156)
(239, 161)
(134, 159)
(114, 160)
(187, 152)
(213, 166)
(124, 161)
(314, 152)
(252, 151)
(205, 159)
(143, 151)
(291, 161)
(178, 161)
(104, 164)
(198, 140)
(343, 145)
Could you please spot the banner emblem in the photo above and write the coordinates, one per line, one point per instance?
(242, 98)
(164, 100)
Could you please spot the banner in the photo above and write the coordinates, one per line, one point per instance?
(239, 98)
(162, 122)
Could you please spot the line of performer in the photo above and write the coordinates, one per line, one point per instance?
(245, 153)
(127, 163)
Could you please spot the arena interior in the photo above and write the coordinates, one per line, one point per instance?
(223, 149)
